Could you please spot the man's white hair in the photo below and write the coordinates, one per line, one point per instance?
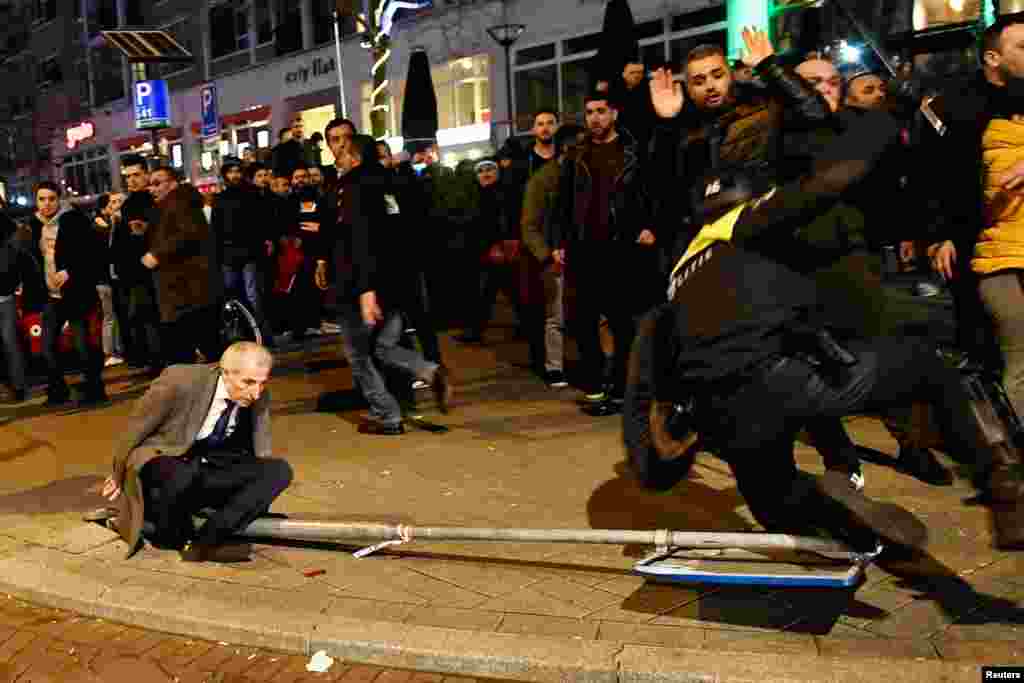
(245, 354)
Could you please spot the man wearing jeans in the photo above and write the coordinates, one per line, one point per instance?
(540, 237)
(237, 227)
(366, 247)
(16, 270)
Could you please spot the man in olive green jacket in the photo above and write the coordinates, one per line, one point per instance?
(539, 229)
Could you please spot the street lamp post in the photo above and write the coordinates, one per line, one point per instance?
(506, 35)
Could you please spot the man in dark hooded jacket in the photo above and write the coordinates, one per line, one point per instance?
(370, 280)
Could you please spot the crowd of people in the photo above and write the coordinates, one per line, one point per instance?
(735, 216)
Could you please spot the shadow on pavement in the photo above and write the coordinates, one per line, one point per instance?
(76, 494)
(28, 411)
(621, 503)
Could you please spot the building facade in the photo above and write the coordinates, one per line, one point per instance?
(67, 112)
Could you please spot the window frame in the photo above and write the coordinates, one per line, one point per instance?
(666, 38)
(40, 83)
(188, 65)
(39, 21)
(230, 5)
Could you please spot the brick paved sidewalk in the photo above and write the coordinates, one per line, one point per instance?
(43, 645)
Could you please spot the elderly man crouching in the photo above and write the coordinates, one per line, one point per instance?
(198, 438)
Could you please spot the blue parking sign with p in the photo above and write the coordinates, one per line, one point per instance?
(210, 113)
(152, 105)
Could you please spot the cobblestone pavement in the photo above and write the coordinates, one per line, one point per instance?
(43, 645)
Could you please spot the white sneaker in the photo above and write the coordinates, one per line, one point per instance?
(857, 481)
(112, 361)
(419, 385)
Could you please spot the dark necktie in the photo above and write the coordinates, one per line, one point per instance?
(220, 430)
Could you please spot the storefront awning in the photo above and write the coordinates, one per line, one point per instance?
(241, 118)
(124, 144)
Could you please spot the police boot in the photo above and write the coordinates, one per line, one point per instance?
(1004, 490)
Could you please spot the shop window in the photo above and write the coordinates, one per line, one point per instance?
(575, 84)
(229, 29)
(650, 29)
(463, 92)
(182, 31)
(44, 10)
(701, 17)
(935, 13)
(288, 34)
(587, 43)
(680, 47)
(535, 88)
(49, 72)
(538, 53)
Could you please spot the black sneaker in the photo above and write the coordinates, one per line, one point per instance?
(381, 429)
(555, 379)
(604, 409)
(922, 464)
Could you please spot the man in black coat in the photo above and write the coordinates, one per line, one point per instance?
(370, 281)
(64, 241)
(17, 269)
(237, 227)
(608, 229)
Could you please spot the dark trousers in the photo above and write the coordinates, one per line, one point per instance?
(245, 283)
(755, 426)
(299, 309)
(238, 487)
(421, 318)
(608, 282)
(55, 314)
(198, 329)
(494, 279)
(121, 306)
(10, 345)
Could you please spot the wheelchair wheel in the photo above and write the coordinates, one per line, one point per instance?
(238, 324)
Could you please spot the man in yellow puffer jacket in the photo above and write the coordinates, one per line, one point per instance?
(999, 252)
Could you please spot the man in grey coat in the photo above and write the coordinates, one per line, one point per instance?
(198, 438)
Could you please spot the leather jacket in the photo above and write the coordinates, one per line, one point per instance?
(630, 212)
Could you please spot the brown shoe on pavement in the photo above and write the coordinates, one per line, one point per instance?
(226, 553)
(442, 387)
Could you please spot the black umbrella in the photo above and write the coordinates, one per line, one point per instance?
(419, 107)
(619, 44)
